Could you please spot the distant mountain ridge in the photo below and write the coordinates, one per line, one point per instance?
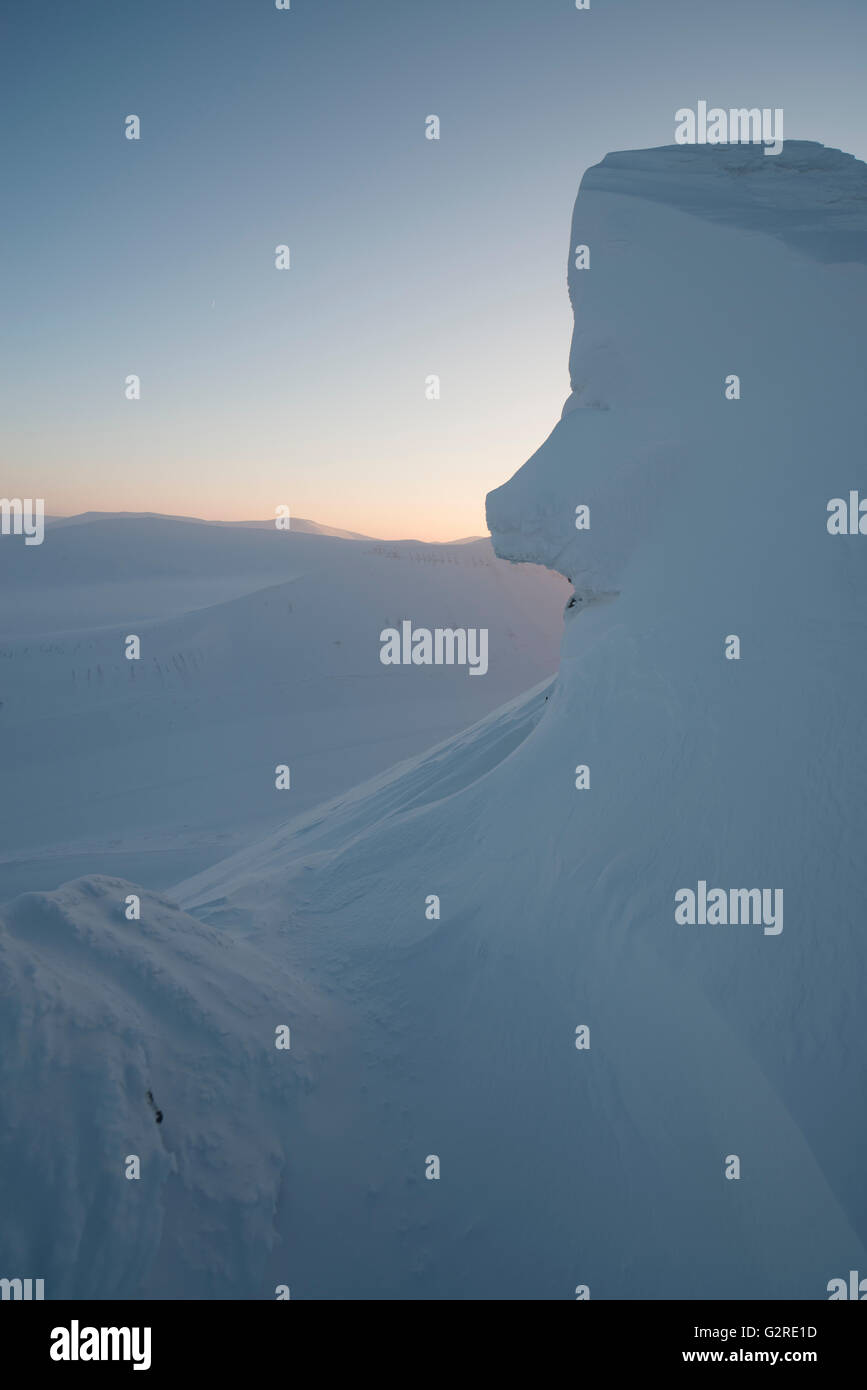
(298, 523)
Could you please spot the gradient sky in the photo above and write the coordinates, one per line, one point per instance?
(409, 256)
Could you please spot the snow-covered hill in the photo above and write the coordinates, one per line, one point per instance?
(299, 524)
(454, 1035)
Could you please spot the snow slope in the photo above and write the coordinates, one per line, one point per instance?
(455, 1036)
(159, 766)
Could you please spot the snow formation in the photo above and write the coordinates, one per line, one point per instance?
(455, 1036)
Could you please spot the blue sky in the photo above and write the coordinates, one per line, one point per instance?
(409, 256)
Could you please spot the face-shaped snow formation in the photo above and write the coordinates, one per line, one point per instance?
(719, 301)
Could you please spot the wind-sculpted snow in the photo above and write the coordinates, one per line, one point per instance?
(342, 825)
(455, 1034)
(162, 765)
(692, 278)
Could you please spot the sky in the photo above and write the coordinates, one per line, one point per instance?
(409, 257)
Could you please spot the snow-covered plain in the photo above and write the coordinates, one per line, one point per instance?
(455, 1037)
(259, 647)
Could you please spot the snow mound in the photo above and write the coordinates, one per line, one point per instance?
(97, 1011)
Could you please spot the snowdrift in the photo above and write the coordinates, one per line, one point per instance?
(97, 1012)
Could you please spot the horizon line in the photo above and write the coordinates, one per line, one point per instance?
(322, 528)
